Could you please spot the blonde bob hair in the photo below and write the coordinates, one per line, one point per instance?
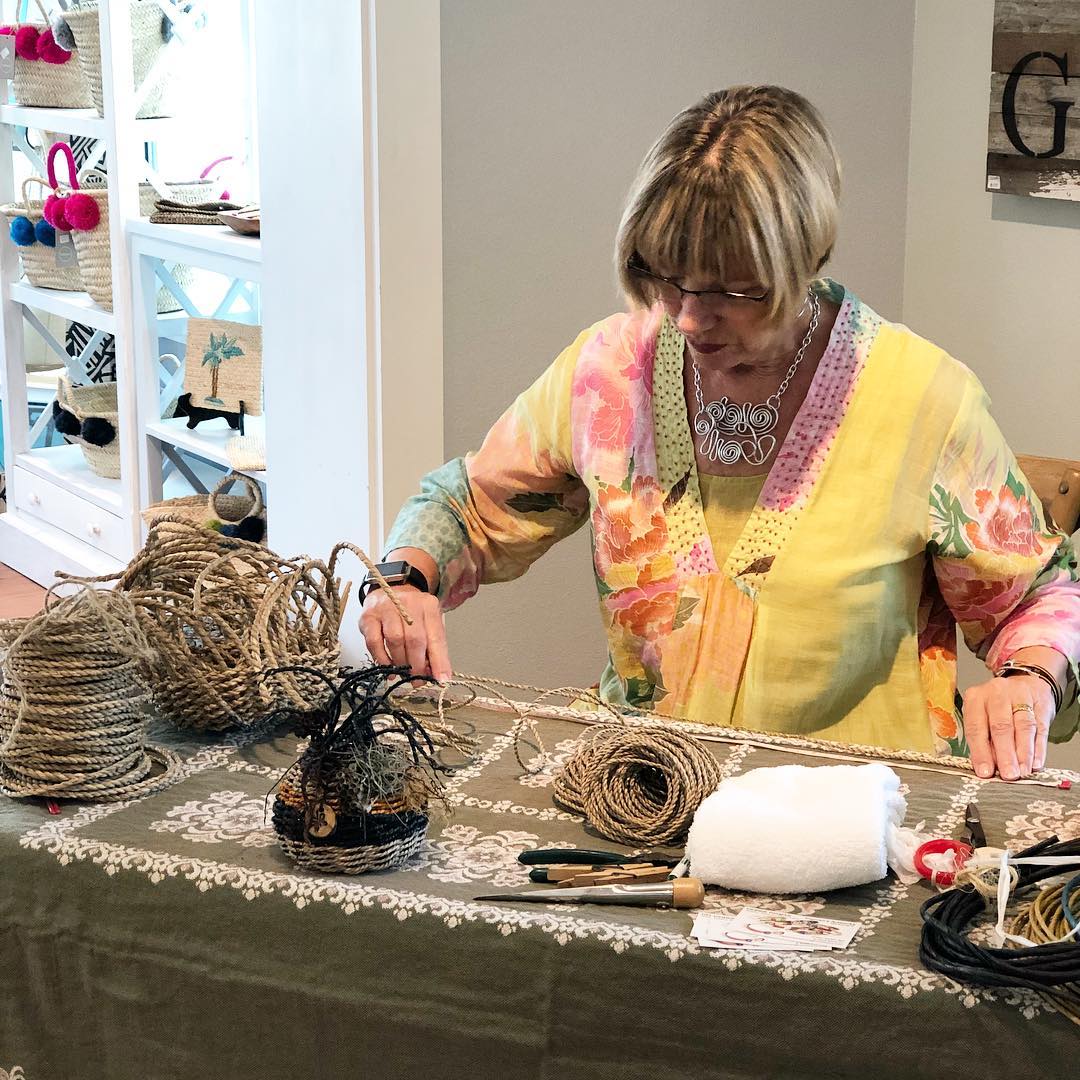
(746, 180)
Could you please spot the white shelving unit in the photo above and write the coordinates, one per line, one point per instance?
(348, 292)
(61, 515)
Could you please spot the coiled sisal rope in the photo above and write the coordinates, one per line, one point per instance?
(71, 703)
(638, 786)
(219, 612)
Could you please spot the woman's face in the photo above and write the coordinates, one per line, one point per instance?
(729, 334)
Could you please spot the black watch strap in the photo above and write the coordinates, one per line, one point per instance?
(395, 573)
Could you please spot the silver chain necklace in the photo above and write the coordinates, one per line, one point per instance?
(732, 431)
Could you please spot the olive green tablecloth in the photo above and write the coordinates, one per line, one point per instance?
(171, 938)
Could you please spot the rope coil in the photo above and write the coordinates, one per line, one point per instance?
(638, 787)
(217, 612)
(71, 704)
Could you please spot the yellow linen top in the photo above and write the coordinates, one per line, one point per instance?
(727, 502)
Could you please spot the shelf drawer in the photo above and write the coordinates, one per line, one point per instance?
(65, 510)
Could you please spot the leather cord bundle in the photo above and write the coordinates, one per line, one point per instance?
(1051, 967)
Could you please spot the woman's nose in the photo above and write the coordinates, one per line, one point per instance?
(695, 318)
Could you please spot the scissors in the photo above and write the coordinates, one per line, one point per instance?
(974, 836)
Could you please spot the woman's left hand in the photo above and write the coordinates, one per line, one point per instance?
(1007, 722)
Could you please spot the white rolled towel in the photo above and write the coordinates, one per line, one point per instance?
(798, 828)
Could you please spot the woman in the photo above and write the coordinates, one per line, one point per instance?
(792, 501)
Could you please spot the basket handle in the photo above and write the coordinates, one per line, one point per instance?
(25, 197)
(73, 173)
(63, 395)
(253, 490)
(217, 161)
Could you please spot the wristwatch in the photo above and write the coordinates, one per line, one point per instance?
(395, 573)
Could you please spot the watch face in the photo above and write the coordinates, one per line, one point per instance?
(394, 571)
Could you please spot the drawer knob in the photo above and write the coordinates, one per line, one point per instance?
(35, 499)
(94, 530)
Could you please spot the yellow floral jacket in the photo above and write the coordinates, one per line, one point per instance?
(893, 511)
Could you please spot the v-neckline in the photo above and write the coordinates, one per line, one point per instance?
(748, 562)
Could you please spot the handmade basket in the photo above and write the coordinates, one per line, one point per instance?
(190, 192)
(95, 255)
(71, 703)
(38, 258)
(219, 612)
(48, 76)
(215, 509)
(95, 401)
(383, 838)
(89, 231)
(147, 43)
(357, 799)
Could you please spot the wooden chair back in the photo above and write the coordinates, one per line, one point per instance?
(1057, 482)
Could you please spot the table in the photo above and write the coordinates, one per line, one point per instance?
(170, 937)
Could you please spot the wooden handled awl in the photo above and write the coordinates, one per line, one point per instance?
(678, 893)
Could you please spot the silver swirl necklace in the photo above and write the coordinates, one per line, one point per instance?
(730, 431)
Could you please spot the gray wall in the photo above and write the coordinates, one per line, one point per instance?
(548, 107)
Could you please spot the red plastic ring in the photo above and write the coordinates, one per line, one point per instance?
(939, 847)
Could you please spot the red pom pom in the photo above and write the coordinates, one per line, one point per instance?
(53, 213)
(82, 212)
(26, 38)
(49, 51)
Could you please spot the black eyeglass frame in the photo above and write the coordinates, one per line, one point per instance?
(701, 294)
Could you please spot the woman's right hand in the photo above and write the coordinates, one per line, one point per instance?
(420, 646)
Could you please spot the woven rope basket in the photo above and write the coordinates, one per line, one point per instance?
(146, 44)
(217, 505)
(96, 400)
(72, 720)
(94, 254)
(220, 613)
(191, 192)
(382, 839)
(38, 261)
(54, 86)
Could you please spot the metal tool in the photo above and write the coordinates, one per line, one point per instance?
(680, 893)
(595, 859)
(973, 826)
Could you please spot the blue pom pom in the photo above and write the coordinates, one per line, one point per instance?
(22, 231)
(45, 233)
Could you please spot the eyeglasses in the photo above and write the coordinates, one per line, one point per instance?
(671, 292)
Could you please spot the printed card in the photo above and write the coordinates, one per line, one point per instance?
(714, 932)
(804, 929)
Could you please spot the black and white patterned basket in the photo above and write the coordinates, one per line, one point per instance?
(383, 838)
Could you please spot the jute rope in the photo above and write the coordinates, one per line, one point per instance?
(219, 612)
(605, 713)
(71, 704)
(639, 779)
(636, 786)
